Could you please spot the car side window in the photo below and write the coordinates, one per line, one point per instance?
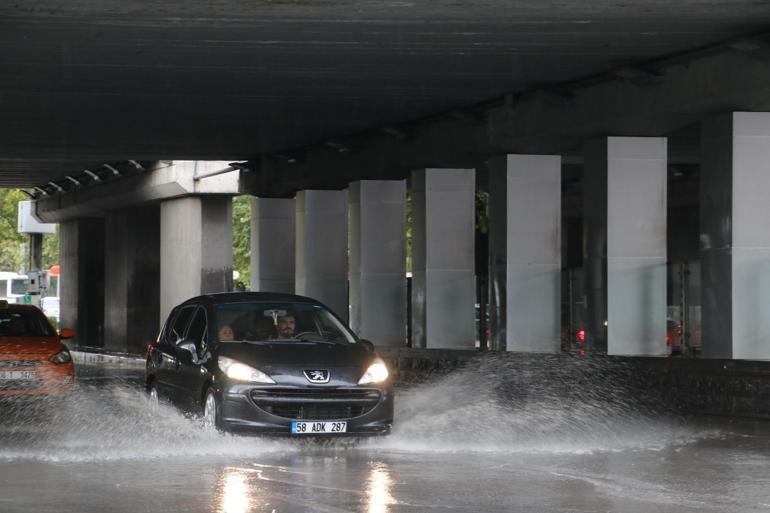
(177, 331)
(198, 332)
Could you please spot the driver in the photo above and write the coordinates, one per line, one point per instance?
(286, 326)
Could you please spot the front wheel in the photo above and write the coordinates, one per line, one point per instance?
(212, 411)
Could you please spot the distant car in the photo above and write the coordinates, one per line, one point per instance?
(269, 363)
(33, 360)
(50, 307)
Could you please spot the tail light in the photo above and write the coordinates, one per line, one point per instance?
(152, 347)
(581, 335)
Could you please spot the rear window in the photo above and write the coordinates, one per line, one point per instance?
(24, 323)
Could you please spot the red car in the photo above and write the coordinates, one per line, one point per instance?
(33, 360)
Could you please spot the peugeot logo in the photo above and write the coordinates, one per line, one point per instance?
(317, 376)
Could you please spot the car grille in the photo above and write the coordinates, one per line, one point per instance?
(321, 404)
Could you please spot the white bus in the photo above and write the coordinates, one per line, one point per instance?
(13, 286)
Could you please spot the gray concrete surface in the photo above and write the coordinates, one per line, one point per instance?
(456, 447)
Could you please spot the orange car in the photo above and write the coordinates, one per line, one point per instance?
(33, 360)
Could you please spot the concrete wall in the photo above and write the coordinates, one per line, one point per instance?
(132, 278)
(81, 286)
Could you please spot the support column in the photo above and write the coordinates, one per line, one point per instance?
(525, 252)
(272, 245)
(35, 251)
(735, 236)
(322, 248)
(378, 260)
(81, 282)
(196, 248)
(625, 228)
(443, 292)
(132, 278)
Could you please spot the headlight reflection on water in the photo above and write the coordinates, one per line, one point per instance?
(234, 494)
(378, 489)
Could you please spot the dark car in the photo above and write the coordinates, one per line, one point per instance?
(269, 363)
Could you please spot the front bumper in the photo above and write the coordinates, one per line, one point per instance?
(242, 410)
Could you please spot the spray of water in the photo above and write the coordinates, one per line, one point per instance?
(497, 405)
(543, 404)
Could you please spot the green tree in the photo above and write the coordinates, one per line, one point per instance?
(242, 238)
(10, 239)
(12, 258)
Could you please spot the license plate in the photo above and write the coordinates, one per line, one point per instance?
(26, 375)
(312, 428)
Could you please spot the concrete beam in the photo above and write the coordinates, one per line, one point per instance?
(167, 180)
(687, 92)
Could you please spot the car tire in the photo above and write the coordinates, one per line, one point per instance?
(212, 411)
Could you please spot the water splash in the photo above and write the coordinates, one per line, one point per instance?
(531, 405)
(500, 405)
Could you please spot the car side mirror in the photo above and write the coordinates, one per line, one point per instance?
(188, 353)
(367, 345)
(66, 333)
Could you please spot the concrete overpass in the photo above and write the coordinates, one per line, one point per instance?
(610, 137)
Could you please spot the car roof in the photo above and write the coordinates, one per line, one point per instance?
(15, 306)
(250, 297)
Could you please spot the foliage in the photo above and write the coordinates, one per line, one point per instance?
(242, 238)
(13, 245)
(50, 249)
(482, 212)
(10, 239)
(409, 225)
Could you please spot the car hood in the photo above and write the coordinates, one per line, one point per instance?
(29, 346)
(286, 362)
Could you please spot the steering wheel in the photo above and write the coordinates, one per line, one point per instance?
(315, 334)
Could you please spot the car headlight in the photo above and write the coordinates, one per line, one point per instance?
(62, 356)
(238, 371)
(376, 373)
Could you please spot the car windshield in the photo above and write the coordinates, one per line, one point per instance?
(24, 323)
(285, 322)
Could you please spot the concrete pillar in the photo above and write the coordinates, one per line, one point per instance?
(132, 278)
(81, 283)
(625, 230)
(735, 236)
(443, 292)
(322, 248)
(525, 252)
(272, 245)
(196, 248)
(378, 260)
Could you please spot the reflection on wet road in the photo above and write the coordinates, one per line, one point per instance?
(460, 444)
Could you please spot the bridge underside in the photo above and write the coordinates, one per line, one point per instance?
(92, 82)
(613, 142)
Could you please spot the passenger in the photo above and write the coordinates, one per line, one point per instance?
(226, 333)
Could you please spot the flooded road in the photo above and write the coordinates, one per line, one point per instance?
(456, 447)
